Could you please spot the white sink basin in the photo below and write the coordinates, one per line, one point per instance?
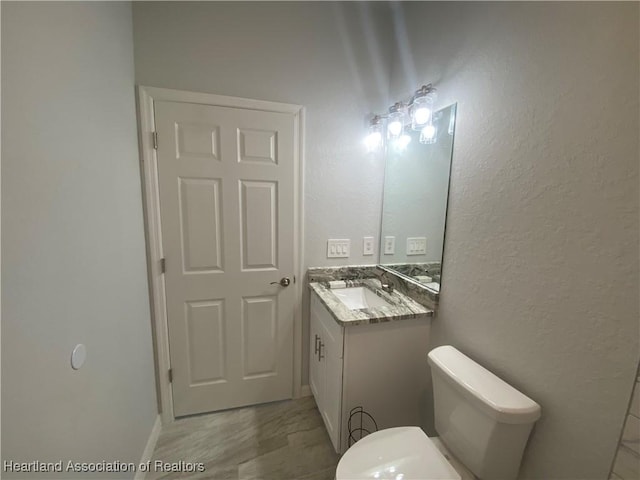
(356, 298)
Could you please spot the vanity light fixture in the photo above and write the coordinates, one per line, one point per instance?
(416, 115)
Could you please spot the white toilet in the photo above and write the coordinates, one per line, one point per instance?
(483, 423)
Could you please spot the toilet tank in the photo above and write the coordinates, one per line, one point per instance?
(484, 421)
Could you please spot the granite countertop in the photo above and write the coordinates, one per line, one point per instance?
(403, 308)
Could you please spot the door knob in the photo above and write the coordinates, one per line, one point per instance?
(284, 282)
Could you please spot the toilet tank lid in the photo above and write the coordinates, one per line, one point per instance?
(501, 400)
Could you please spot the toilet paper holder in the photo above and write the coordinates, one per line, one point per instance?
(361, 423)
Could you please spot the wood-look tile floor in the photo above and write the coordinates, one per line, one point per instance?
(277, 441)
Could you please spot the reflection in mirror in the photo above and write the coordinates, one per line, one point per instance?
(416, 189)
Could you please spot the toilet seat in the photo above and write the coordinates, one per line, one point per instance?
(401, 453)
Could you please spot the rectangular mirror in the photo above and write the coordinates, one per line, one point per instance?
(414, 211)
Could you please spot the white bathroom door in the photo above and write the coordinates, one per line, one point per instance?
(226, 185)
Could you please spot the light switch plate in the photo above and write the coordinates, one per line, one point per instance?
(389, 245)
(416, 245)
(338, 248)
(367, 245)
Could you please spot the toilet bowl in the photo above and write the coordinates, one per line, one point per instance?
(400, 453)
(483, 423)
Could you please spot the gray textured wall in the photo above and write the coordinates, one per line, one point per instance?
(540, 278)
(73, 254)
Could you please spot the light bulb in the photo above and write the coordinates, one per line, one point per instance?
(422, 108)
(373, 141)
(395, 122)
(395, 128)
(429, 131)
(404, 141)
(400, 144)
(428, 134)
(421, 115)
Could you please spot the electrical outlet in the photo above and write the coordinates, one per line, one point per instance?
(338, 248)
(367, 245)
(389, 245)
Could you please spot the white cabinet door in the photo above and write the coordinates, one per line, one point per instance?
(330, 355)
(314, 363)
(325, 367)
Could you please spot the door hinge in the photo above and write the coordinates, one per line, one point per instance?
(171, 375)
(163, 265)
(155, 140)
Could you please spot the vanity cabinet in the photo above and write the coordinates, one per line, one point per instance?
(379, 366)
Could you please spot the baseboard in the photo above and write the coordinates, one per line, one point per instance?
(305, 391)
(151, 445)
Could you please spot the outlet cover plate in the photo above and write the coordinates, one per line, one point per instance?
(338, 248)
(367, 245)
(389, 245)
(416, 246)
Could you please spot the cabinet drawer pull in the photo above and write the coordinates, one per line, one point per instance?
(316, 349)
(320, 354)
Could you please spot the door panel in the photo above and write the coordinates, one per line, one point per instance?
(258, 209)
(257, 146)
(206, 347)
(197, 140)
(226, 183)
(200, 214)
(259, 336)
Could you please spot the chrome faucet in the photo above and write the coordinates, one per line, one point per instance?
(385, 283)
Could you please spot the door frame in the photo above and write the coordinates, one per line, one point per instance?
(146, 96)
